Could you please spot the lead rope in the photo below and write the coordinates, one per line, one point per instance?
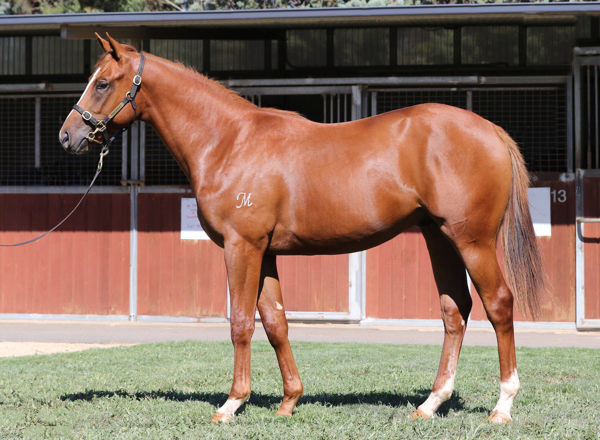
(103, 153)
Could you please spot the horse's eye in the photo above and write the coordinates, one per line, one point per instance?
(102, 85)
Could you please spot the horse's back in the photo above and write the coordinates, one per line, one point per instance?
(365, 181)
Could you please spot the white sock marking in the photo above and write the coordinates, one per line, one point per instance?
(508, 392)
(231, 406)
(436, 398)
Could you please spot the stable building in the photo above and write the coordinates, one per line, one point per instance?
(134, 249)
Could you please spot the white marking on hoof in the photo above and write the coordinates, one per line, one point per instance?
(498, 417)
(508, 392)
(418, 414)
(436, 398)
(227, 411)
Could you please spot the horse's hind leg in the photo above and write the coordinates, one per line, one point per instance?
(481, 261)
(455, 299)
(272, 313)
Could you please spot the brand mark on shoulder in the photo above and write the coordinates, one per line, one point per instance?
(243, 199)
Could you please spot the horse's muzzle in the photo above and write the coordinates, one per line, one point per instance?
(66, 140)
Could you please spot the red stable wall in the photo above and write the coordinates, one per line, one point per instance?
(83, 268)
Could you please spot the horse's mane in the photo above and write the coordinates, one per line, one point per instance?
(220, 88)
(204, 81)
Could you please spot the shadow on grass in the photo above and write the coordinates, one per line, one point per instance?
(215, 399)
(455, 403)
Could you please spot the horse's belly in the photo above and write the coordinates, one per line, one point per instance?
(338, 233)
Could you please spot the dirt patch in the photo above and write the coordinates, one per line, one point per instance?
(8, 349)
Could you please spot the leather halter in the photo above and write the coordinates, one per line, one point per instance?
(100, 127)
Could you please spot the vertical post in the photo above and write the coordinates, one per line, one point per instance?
(596, 142)
(132, 178)
(357, 262)
(356, 102)
(124, 159)
(457, 45)
(470, 100)
(134, 168)
(579, 251)
(38, 132)
(133, 254)
(577, 110)
(570, 122)
(329, 44)
(373, 103)
(393, 55)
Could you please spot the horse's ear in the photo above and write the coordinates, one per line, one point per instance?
(105, 45)
(117, 50)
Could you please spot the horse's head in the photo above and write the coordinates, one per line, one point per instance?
(108, 102)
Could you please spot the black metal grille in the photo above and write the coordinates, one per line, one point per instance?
(535, 118)
(394, 99)
(16, 141)
(27, 158)
(160, 166)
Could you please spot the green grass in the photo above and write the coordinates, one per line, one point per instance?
(352, 391)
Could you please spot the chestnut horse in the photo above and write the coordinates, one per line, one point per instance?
(270, 182)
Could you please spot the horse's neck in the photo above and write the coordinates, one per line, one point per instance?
(190, 113)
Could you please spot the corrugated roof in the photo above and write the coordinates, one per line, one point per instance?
(302, 17)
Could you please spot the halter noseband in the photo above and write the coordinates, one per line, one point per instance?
(101, 126)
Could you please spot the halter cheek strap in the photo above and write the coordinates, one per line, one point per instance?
(100, 127)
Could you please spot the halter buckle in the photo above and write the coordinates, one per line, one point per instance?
(137, 80)
(91, 137)
(87, 116)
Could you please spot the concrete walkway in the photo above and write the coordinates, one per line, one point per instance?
(144, 332)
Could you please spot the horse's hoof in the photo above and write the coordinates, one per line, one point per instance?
(499, 417)
(281, 412)
(419, 414)
(288, 404)
(220, 417)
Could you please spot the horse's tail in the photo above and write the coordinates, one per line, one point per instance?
(522, 256)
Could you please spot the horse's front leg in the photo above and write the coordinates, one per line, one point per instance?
(243, 261)
(272, 313)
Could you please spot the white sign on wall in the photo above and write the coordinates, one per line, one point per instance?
(539, 206)
(190, 225)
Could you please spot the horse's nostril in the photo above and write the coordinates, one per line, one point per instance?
(63, 138)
